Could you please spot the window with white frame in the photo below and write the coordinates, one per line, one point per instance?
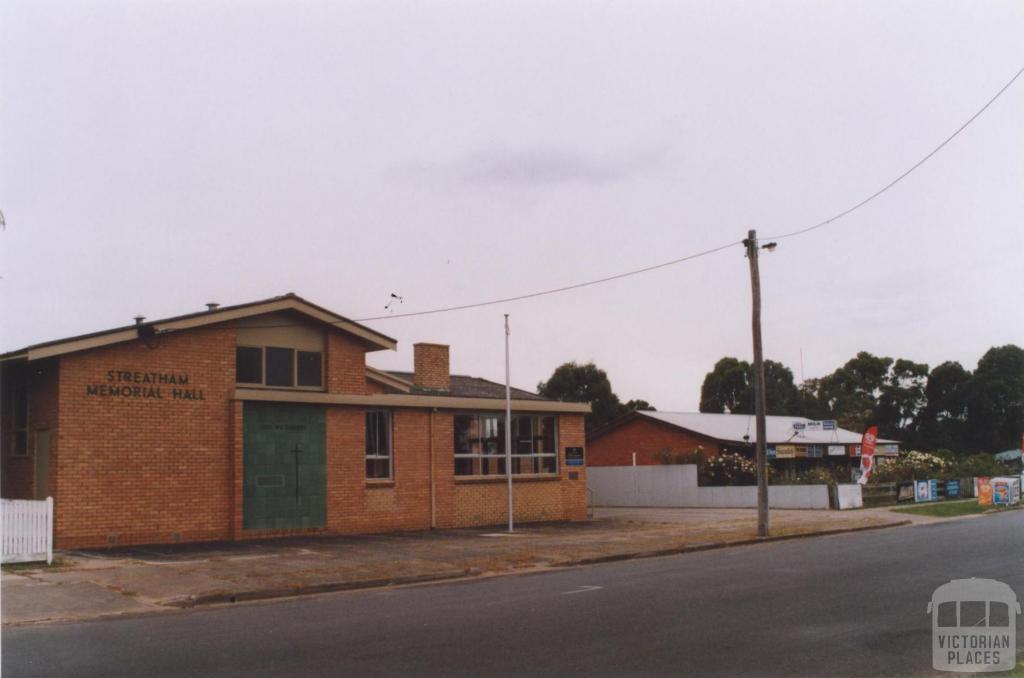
(480, 444)
(279, 367)
(378, 444)
(815, 451)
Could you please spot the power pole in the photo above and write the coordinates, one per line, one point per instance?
(759, 387)
(508, 430)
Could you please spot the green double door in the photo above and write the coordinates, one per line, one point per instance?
(284, 466)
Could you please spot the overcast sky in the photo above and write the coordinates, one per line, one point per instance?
(155, 156)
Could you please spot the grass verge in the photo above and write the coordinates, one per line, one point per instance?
(949, 509)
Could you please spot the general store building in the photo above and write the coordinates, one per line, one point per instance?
(793, 444)
(264, 419)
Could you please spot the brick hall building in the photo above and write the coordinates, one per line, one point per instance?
(263, 419)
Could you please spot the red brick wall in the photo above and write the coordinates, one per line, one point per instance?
(346, 364)
(356, 504)
(135, 469)
(647, 438)
(375, 387)
(471, 502)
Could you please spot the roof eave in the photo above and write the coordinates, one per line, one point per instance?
(373, 340)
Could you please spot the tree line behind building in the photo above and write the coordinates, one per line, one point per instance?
(930, 408)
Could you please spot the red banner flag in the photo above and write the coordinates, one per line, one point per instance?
(867, 454)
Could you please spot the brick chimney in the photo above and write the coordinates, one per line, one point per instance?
(430, 362)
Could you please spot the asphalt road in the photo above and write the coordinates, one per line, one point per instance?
(843, 605)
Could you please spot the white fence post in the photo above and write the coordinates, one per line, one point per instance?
(49, 530)
(27, 530)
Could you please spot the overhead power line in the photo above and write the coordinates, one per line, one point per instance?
(556, 290)
(703, 253)
(900, 178)
(696, 255)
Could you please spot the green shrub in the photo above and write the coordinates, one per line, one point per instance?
(983, 465)
(817, 475)
(913, 465)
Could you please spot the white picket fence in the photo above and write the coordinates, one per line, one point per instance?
(27, 530)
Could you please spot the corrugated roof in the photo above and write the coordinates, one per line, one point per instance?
(732, 428)
(463, 386)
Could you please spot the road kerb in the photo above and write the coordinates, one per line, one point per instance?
(692, 548)
(312, 589)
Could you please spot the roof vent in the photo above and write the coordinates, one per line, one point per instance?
(139, 319)
(212, 306)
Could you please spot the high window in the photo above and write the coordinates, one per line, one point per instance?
(279, 367)
(480, 444)
(378, 444)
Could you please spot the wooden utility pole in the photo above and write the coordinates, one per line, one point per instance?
(759, 387)
(508, 430)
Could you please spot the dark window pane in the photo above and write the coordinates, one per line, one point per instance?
(546, 444)
(378, 433)
(972, 613)
(467, 434)
(378, 468)
(522, 435)
(280, 366)
(20, 444)
(492, 466)
(378, 444)
(998, 614)
(548, 464)
(20, 398)
(384, 433)
(947, 614)
(371, 433)
(310, 368)
(248, 365)
(464, 466)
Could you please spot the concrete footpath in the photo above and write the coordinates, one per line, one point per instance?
(95, 584)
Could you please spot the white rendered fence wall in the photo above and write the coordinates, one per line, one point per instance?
(675, 486)
(27, 530)
(849, 496)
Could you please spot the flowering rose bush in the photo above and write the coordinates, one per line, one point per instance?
(727, 469)
(909, 465)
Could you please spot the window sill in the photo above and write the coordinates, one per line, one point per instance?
(523, 477)
(379, 483)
